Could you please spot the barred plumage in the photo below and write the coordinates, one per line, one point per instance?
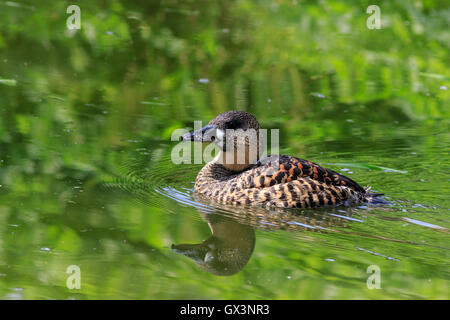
(279, 188)
(283, 181)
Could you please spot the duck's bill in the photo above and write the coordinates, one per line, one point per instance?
(206, 134)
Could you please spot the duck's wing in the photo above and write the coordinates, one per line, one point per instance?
(291, 168)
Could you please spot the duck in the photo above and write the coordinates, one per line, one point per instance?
(240, 175)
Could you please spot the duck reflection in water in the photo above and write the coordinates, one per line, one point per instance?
(226, 251)
(232, 240)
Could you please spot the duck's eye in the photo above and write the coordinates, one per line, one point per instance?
(213, 138)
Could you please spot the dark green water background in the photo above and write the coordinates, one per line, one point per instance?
(86, 176)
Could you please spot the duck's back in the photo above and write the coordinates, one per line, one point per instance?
(281, 182)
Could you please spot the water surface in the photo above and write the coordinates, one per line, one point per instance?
(86, 176)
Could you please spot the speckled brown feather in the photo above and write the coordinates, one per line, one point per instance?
(286, 182)
(283, 181)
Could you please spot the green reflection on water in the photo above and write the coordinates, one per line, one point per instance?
(85, 126)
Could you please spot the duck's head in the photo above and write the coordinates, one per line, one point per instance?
(238, 136)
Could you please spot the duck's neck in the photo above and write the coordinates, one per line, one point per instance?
(237, 162)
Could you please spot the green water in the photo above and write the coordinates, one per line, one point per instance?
(86, 176)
